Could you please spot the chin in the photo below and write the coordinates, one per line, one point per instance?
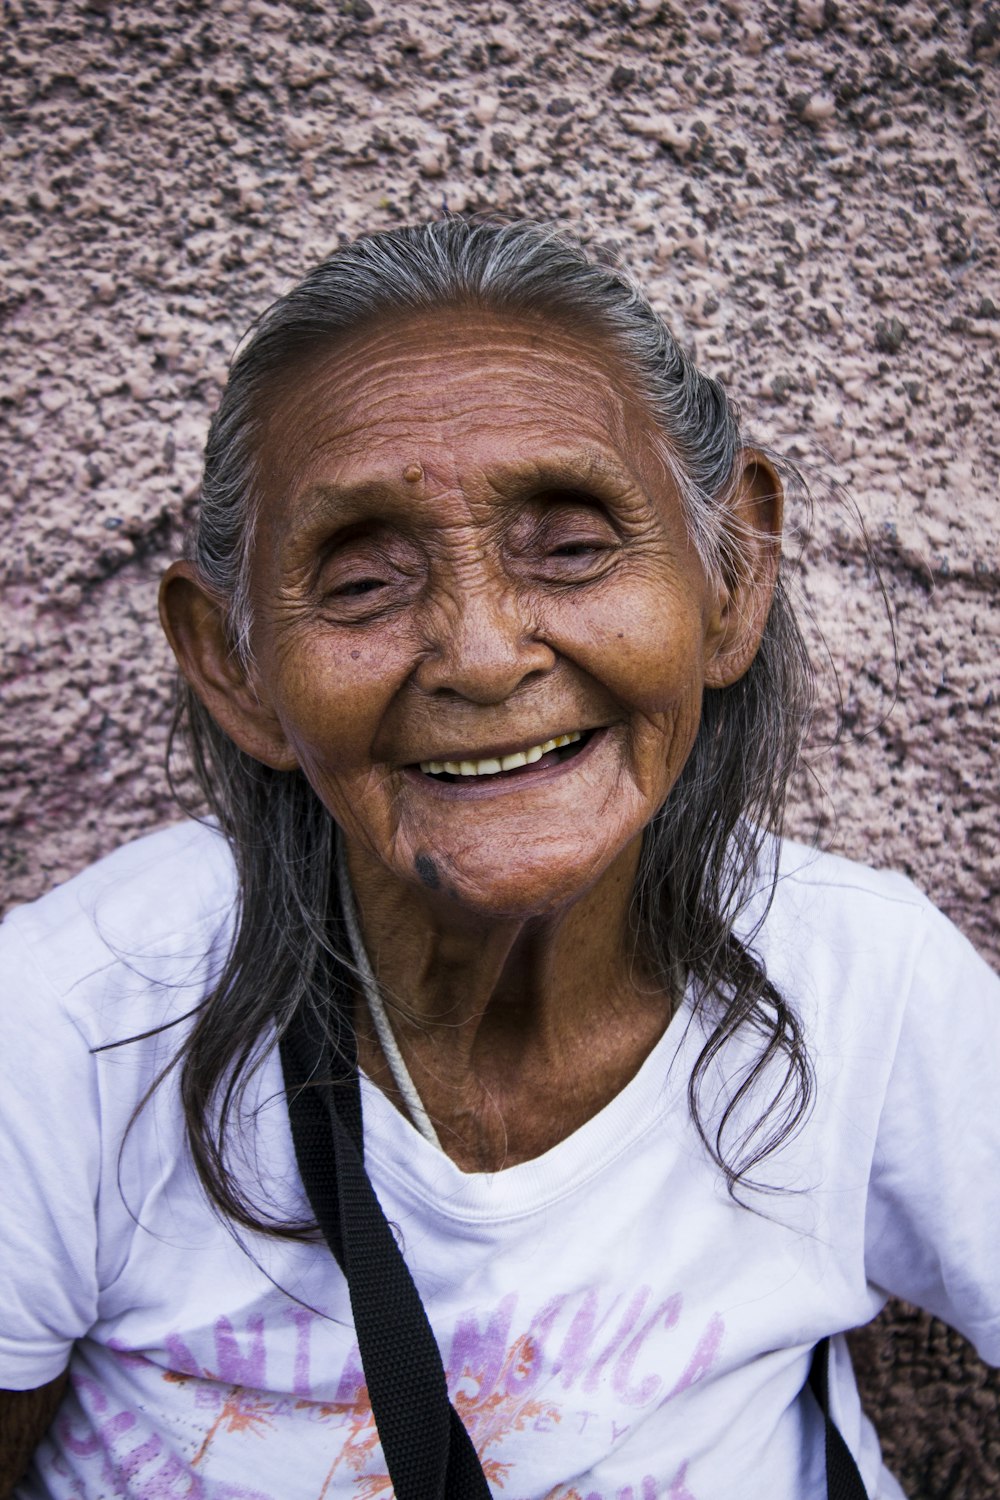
(519, 889)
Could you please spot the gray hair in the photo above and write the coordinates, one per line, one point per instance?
(703, 852)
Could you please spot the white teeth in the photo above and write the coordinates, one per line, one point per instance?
(492, 766)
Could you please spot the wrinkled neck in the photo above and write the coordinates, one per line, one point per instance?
(476, 981)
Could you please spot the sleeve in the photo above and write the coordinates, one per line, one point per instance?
(50, 1159)
(932, 1231)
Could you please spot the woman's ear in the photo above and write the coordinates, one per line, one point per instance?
(194, 620)
(749, 570)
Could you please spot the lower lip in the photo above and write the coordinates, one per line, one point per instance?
(472, 788)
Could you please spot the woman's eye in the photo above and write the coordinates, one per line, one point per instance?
(355, 587)
(568, 551)
(577, 549)
(364, 577)
(577, 561)
(351, 593)
(567, 537)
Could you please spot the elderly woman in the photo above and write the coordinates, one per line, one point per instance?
(486, 1101)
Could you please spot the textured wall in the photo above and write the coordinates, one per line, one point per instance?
(808, 190)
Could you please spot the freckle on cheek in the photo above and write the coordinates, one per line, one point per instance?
(355, 655)
(412, 473)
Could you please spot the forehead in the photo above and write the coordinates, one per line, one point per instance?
(464, 394)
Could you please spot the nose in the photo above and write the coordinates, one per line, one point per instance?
(483, 648)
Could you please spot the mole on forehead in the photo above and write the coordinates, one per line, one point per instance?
(553, 466)
(355, 495)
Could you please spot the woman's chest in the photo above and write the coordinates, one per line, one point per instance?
(603, 1340)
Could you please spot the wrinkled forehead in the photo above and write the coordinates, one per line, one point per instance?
(458, 393)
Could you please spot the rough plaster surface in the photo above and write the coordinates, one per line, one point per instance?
(809, 191)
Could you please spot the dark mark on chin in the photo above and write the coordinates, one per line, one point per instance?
(427, 872)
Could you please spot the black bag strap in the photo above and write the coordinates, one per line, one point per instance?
(427, 1450)
(843, 1482)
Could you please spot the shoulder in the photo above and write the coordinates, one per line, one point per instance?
(153, 918)
(839, 897)
(808, 868)
(823, 899)
(856, 942)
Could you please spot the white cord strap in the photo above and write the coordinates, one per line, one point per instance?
(376, 1008)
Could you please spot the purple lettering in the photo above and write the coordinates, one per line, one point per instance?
(89, 1442)
(628, 1322)
(115, 1426)
(303, 1318)
(138, 1458)
(352, 1380)
(580, 1336)
(173, 1480)
(181, 1358)
(616, 1431)
(104, 1433)
(236, 1367)
(643, 1393)
(585, 1417)
(84, 1446)
(702, 1360)
(129, 1356)
(478, 1357)
(525, 1371)
(84, 1386)
(678, 1485)
(649, 1488)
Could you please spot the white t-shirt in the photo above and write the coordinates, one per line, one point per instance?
(612, 1323)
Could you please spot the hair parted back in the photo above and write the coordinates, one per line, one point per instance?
(702, 853)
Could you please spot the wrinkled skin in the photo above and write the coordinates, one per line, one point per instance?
(467, 546)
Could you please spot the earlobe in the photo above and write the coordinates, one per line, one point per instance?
(750, 571)
(194, 621)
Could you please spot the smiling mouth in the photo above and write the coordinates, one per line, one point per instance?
(548, 752)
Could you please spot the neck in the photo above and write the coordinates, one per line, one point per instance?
(514, 1030)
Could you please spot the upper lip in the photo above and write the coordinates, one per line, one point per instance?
(498, 750)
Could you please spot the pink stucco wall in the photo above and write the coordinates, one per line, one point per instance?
(809, 191)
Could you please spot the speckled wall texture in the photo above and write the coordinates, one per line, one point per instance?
(809, 191)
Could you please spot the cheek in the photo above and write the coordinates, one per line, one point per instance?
(645, 645)
(331, 697)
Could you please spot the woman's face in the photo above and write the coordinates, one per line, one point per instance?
(467, 552)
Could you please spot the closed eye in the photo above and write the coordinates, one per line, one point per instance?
(564, 536)
(575, 549)
(358, 586)
(367, 571)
